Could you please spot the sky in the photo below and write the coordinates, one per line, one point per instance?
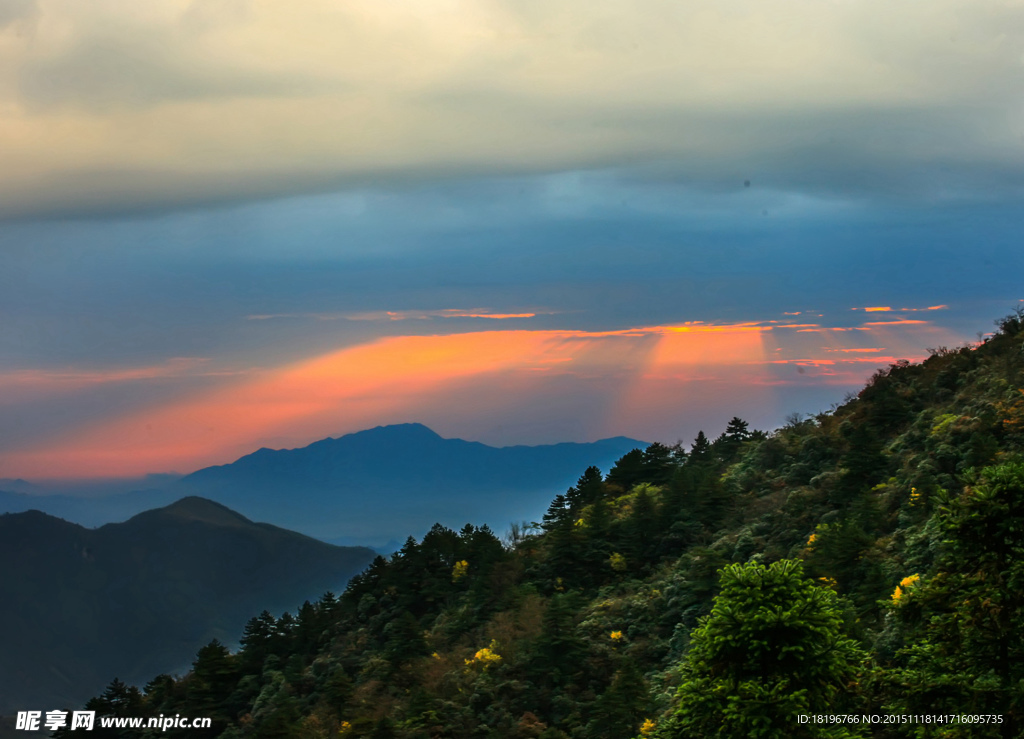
(228, 224)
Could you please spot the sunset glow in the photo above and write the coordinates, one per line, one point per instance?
(415, 377)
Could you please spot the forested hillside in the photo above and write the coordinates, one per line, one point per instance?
(866, 560)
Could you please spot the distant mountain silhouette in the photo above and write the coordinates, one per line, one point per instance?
(392, 481)
(90, 511)
(17, 485)
(133, 599)
(371, 488)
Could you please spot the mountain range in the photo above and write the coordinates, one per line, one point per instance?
(367, 487)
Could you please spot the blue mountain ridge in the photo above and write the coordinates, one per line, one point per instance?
(395, 481)
(368, 487)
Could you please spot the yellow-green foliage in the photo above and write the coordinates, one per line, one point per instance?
(459, 570)
(904, 586)
(943, 422)
(486, 656)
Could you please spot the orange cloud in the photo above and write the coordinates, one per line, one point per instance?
(172, 367)
(682, 347)
(716, 329)
(809, 362)
(346, 390)
(903, 322)
(31, 384)
(871, 349)
(405, 315)
(648, 378)
(886, 309)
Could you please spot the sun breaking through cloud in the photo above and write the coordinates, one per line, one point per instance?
(640, 381)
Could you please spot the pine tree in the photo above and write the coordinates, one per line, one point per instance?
(118, 700)
(558, 515)
(700, 451)
(588, 489)
(728, 445)
(659, 464)
(641, 530)
(628, 471)
(213, 678)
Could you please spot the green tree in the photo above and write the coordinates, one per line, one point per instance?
(257, 638)
(558, 515)
(964, 646)
(619, 711)
(728, 445)
(558, 650)
(404, 639)
(119, 700)
(212, 680)
(659, 464)
(700, 451)
(589, 488)
(641, 529)
(863, 463)
(772, 648)
(628, 471)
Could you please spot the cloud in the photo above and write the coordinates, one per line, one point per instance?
(652, 382)
(24, 382)
(872, 350)
(114, 105)
(400, 315)
(585, 251)
(890, 309)
(13, 11)
(904, 322)
(104, 75)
